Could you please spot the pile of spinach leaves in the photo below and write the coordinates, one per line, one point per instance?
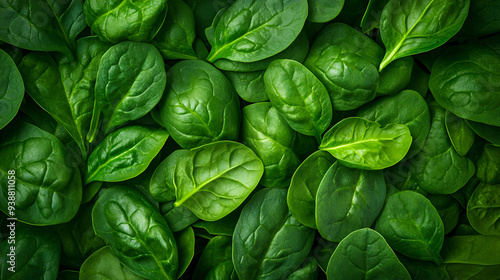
(250, 139)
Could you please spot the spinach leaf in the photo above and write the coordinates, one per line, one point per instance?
(299, 96)
(412, 226)
(395, 76)
(296, 51)
(197, 104)
(307, 270)
(175, 38)
(364, 254)
(412, 111)
(11, 91)
(125, 93)
(178, 218)
(412, 27)
(323, 10)
(48, 189)
(117, 20)
(483, 209)
(274, 256)
(42, 25)
(253, 40)
(460, 133)
(488, 165)
(437, 155)
(137, 233)
(472, 271)
(463, 81)
(348, 199)
(360, 143)
(162, 187)
(266, 132)
(345, 61)
(371, 18)
(250, 86)
(448, 209)
(37, 254)
(65, 88)
(215, 257)
(104, 265)
(471, 249)
(78, 239)
(124, 154)
(214, 179)
(185, 245)
(490, 133)
(306, 180)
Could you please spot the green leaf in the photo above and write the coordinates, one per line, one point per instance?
(250, 86)
(124, 93)
(137, 233)
(217, 254)
(412, 226)
(37, 253)
(483, 209)
(103, 265)
(299, 96)
(48, 188)
(120, 20)
(124, 154)
(64, 88)
(348, 199)
(269, 28)
(214, 179)
(464, 81)
(364, 254)
(12, 90)
(301, 194)
(323, 10)
(185, 245)
(42, 25)
(360, 143)
(175, 38)
(460, 133)
(488, 165)
(197, 102)
(266, 132)
(412, 27)
(438, 155)
(471, 249)
(266, 218)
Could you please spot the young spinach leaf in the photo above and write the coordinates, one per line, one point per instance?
(175, 38)
(348, 199)
(199, 105)
(306, 180)
(266, 132)
(483, 209)
(460, 133)
(42, 25)
(437, 155)
(216, 178)
(412, 226)
(65, 88)
(137, 233)
(323, 10)
(124, 93)
(360, 143)
(412, 27)
(257, 38)
(104, 265)
(488, 165)
(364, 254)
(37, 253)
(299, 96)
(124, 154)
(12, 89)
(274, 256)
(118, 20)
(48, 188)
(185, 245)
